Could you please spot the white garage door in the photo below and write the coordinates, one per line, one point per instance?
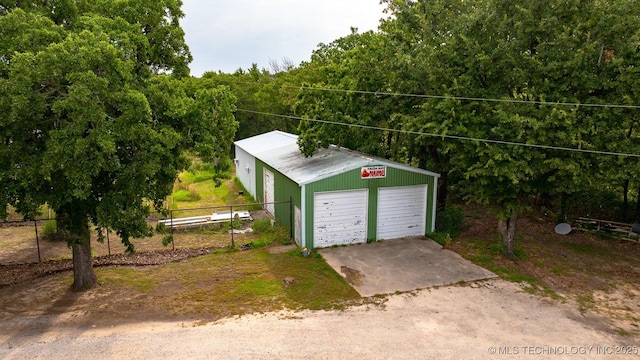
(401, 211)
(340, 218)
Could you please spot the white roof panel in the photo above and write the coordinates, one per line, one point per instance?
(280, 151)
(265, 142)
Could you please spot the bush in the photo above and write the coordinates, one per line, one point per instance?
(262, 226)
(50, 231)
(449, 220)
(270, 234)
(441, 238)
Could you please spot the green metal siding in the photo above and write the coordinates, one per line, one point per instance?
(284, 190)
(351, 180)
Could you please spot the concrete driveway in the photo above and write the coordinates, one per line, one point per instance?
(401, 265)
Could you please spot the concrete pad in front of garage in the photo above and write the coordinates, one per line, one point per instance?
(401, 265)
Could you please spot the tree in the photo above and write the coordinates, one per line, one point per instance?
(82, 126)
(340, 85)
(521, 58)
(532, 53)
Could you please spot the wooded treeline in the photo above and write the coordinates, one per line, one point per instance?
(553, 73)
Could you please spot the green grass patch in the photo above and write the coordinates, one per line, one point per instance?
(138, 279)
(442, 238)
(560, 271)
(491, 257)
(191, 178)
(260, 287)
(186, 195)
(210, 196)
(231, 283)
(269, 234)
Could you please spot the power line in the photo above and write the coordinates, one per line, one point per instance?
(446, 97)
(454, 137)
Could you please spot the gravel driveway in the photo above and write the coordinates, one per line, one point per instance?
(492, 319)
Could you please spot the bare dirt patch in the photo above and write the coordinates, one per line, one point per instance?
(353, 276)
(12, 274)
(598, 274)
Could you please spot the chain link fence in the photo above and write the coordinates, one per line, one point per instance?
(210, 227)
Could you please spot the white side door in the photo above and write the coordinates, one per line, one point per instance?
(269, 192)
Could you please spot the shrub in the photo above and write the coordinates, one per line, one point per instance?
(449, 220)
(270, 234)
(441, 238)
(262, 226)
(50, 231)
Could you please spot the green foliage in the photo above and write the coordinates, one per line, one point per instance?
(166, 240)
(50, 230)
(270, 234)
(260, 90)
(262, 226)
(444, 48)
(449, 220)
(198, 172)
(442, 238)
(88, 127)
(190, 194)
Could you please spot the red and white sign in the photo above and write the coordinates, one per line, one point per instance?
(373, 172)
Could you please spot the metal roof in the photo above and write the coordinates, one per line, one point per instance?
(280, 151)
(265, 142)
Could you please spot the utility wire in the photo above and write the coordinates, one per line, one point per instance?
(454, 137)
(445, 97)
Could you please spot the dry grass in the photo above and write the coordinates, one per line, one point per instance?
(206, 288)
(600, 275)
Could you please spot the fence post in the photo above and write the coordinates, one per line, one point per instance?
(108, 243)
(173, 238)
(35, 225)
(233, 243)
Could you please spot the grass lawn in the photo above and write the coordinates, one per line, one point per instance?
(223, 284)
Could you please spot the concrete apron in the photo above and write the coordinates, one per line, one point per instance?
(401, 265)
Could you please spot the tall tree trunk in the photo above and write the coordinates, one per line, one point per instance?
(443, 189)
(625, 196)
(562, 216)
(76, 227)
(507, 228)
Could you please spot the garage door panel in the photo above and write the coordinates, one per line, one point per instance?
(401, 211)
(340, 218)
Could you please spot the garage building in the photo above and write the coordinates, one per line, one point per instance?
(337, 196)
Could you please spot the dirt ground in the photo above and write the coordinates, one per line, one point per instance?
(597, 296)
(597, 274)
(494, 319)
(18, 244)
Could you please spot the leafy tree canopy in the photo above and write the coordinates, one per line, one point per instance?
(88, 126)
(449, 54)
